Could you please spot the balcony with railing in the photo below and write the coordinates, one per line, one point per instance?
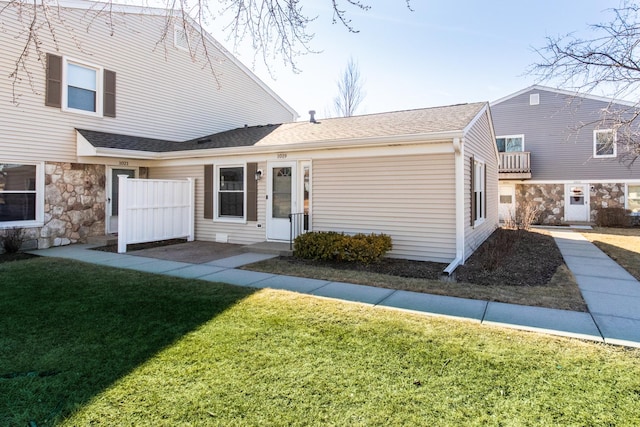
(515, 165)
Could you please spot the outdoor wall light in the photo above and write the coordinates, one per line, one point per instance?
(258, 174)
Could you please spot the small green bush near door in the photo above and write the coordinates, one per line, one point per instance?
(333, 246)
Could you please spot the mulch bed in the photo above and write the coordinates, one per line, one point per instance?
(507, 257)
(513, 257)
(390, 266)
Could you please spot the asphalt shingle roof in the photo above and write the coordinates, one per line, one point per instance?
(397, 123)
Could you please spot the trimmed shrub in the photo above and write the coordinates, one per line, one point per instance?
(11, 239)
(613, 217)
(332, 246)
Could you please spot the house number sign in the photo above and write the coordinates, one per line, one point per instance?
(123, 163)
(281, 155)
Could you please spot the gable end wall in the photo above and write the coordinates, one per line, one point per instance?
(479, 143)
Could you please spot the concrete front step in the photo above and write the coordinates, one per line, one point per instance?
(273, 248)
(105, 240)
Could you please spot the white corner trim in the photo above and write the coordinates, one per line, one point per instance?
(459, 197)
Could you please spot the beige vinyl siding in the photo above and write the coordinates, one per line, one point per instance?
(478, 142)
(206, 229)
(160, 92)
(410, 198)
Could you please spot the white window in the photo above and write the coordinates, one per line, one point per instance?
(633, 198)
(180, 37)
(21, 195)
(604, 143)
(534, 99)
(479, 185)
(510, 143)
(82, 87)
(230, 193)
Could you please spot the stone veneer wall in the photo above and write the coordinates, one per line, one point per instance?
(548, 198)
(605, 196)
(74, 204)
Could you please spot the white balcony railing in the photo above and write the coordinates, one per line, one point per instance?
(515, 162)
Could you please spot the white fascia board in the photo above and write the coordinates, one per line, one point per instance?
(84, 147)
(360, 143)
(574, 94)
(338, 144)
(570, 181)
(485, 110)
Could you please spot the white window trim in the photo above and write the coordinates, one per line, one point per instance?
(626, 198)
(99, 87)
(615, 145)
(216, 190)
(180, 29)
(482, 215)
(512, 136)
(39, 221)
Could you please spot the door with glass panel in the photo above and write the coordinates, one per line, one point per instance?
(576, 206)
(281, 199)
(113, 192)
(507, 205)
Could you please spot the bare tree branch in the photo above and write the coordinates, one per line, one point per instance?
(277, 29)
(350, 91)
(610, 62)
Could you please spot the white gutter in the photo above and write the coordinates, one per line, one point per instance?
(458, 146)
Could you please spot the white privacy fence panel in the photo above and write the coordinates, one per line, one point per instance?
(154, 209)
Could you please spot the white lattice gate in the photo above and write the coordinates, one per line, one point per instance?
(154, 209)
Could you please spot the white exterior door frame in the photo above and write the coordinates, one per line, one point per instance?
(576, 202)
(282, 198)
(507, 202)
(111, 202)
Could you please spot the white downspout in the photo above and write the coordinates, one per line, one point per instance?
(458, 147)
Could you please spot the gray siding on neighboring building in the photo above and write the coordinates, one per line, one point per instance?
(559, 134)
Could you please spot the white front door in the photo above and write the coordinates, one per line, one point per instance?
(111, 207)
(576, 202)
(281, 199)
(507, 206)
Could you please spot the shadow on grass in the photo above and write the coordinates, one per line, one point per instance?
(70, 330)
(629, 260)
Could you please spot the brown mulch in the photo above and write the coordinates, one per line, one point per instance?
(390, 266)
(513, 257)
(507, 257)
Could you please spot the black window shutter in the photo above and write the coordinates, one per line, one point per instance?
(53, 91)
(252, 192)
(473, 190)
(208, 191)
(109, 99)
(484, 191)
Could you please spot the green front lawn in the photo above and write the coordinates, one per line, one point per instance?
(84, 345)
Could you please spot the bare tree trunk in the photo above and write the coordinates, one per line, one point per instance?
(350, 91)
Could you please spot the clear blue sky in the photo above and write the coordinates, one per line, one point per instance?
(442, 53)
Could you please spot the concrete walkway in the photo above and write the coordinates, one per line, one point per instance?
(611, 293)
(614, 319)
